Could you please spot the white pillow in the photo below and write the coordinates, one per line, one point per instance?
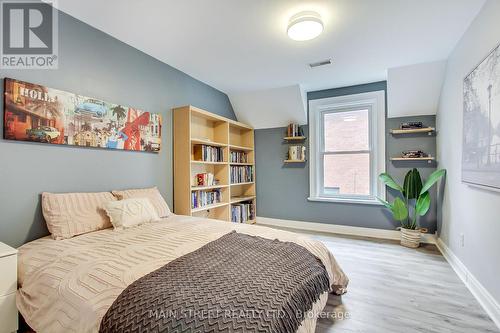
(130, 212)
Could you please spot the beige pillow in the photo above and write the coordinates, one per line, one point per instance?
(130, 212)
(71, 214)
(151, 193)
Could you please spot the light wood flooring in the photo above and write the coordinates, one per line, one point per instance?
(400, 290)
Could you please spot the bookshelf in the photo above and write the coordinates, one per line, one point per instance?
(198, 134)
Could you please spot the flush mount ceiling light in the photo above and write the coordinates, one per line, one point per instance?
(305, 26)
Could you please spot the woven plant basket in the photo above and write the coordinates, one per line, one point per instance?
(411, 238)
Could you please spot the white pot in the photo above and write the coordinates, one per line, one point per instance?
(410, 238)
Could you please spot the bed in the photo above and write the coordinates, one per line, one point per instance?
(69, 285)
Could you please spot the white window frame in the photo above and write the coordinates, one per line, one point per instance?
(375, 103)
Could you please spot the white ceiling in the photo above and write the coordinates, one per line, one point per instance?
(238, 45)
(241, 46)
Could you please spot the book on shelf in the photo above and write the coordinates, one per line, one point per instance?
(204, 198)
(297, 153)
(293, 130)
(242, 212)
(205, 179)
(241, 174)
(208, 153)
(238, 157)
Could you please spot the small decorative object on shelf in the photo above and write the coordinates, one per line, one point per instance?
(413, 154)
(412, 125)
(296, 154)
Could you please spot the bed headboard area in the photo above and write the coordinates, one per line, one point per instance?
(117, 73)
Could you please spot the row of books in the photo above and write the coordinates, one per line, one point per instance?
(242, 212)
(208, 153)
(293, 130)
(238, 157)
(204, 198)
(297, 153)
(205, 179)
(241, 174)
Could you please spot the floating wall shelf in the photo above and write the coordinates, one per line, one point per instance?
(429, 159)
(294, 161)
(428, 130)
(294, 138)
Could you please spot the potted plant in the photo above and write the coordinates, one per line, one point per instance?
(414, 201)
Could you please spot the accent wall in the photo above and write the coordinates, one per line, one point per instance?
(282, 189)
(92, 63)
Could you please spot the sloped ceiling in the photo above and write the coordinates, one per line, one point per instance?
(415, 90)
(270, 107)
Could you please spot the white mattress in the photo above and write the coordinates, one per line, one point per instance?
(68, 285)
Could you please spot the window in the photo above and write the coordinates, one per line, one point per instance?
(347, 148)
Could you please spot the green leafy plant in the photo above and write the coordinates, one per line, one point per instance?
(415, 199)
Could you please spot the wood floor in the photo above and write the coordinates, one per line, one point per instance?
(400, 290)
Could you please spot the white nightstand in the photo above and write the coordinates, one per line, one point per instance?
(8, 287)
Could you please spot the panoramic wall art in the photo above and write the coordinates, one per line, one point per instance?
(481, 133)
(36, 113)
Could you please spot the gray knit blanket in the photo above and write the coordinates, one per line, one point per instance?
(237, 283)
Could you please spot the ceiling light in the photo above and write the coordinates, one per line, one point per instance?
(305, 26)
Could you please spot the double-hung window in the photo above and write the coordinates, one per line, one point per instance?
(347, 136)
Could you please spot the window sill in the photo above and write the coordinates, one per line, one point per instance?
(373, 202)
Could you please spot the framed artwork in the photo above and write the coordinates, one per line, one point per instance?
(481, 132)
(37, 113)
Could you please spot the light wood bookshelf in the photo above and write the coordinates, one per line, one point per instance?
(192, 127)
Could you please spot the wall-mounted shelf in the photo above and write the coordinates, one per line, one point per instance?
(428, 130)
(428, 159)
(294, 161)
(294, 138)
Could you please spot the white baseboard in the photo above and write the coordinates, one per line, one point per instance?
(489, 304)
(339, 229)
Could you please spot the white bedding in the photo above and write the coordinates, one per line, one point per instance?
(68, 285)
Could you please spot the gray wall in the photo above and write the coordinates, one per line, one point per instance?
(466, 210)
(94, 64)
(282, 190)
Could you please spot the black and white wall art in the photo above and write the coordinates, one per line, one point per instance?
(481, 127)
